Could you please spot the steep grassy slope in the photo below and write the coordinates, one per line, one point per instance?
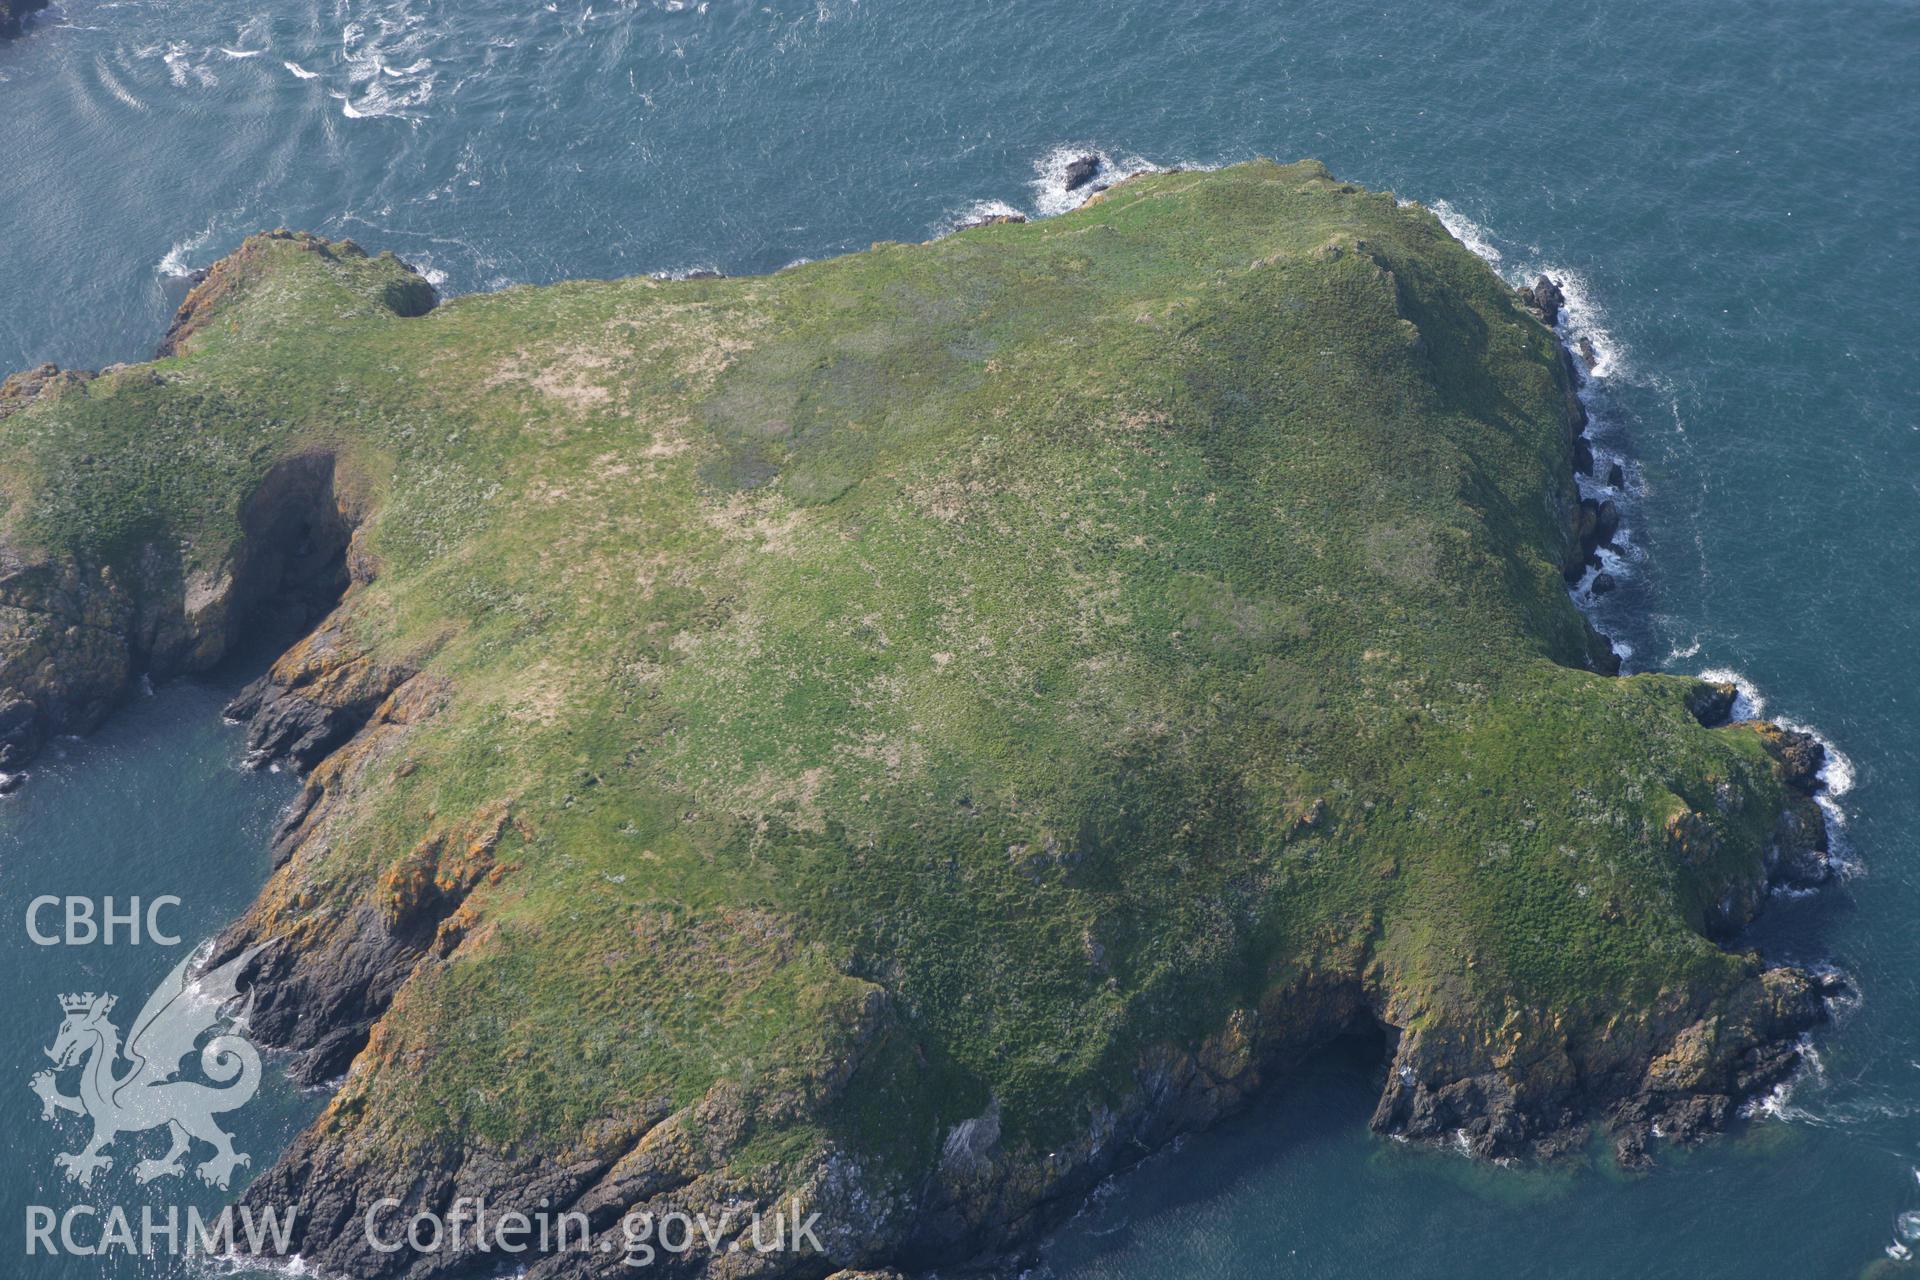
(917, 729)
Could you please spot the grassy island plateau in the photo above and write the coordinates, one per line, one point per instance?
(916, 732)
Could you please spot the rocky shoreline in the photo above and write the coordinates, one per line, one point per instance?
(77, 636)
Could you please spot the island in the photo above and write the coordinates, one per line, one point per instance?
(905, 737)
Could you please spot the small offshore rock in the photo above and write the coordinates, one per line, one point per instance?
(1548, 298)
(1587, 352)
(1082, 171)
(1544, 298)
(1603, 583)
(1616, 477)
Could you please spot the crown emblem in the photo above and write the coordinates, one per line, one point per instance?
(85, 1001)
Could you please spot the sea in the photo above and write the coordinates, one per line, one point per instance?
(1726, 192)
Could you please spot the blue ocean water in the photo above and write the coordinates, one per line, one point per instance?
(1727, 190)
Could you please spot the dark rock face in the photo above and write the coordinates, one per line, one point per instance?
(74, 637)
(1616, 477)
(1692, 1089)
(1800, 755)
(13, 11)
(320, 1000)
(1603, 583)
(1583, 456)
(1798, 857)
(1083, 171)
(1606, 522)
(1685, 1079)
(316, 696)
(1544, 298)
(988, 1200)
(1711, 702)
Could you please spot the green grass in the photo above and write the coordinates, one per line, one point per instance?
(929, 622)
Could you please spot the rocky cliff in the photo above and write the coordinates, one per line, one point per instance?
(909, 735)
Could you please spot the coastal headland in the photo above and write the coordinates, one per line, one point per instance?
(910, 735)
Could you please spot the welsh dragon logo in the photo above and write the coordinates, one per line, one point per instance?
(145, 1093)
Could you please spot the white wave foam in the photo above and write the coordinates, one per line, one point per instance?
(113, 86)
(1582, 327)
(390, 69)
(1466, 231)
(424, 264)
(975, 212)
(236, 1264)
(1050, 194)
(686, 273)
(1836, 774)
(1580, 315)
(301, 71)
(1748, 704)
(177, 60)
(175, 264)
(1777, 1102)
(183, 70)
(241, 53)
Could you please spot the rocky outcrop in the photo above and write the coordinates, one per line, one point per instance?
(993, 1195)
(1082, 171)
(992, 220)
(21, 389)
(76, 636)
(1735, 1052)
(320, 994)
(13, 14)
(1711, 701)
(1800, 754)
(412, 295)
(315, 696)
(1544, 298)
